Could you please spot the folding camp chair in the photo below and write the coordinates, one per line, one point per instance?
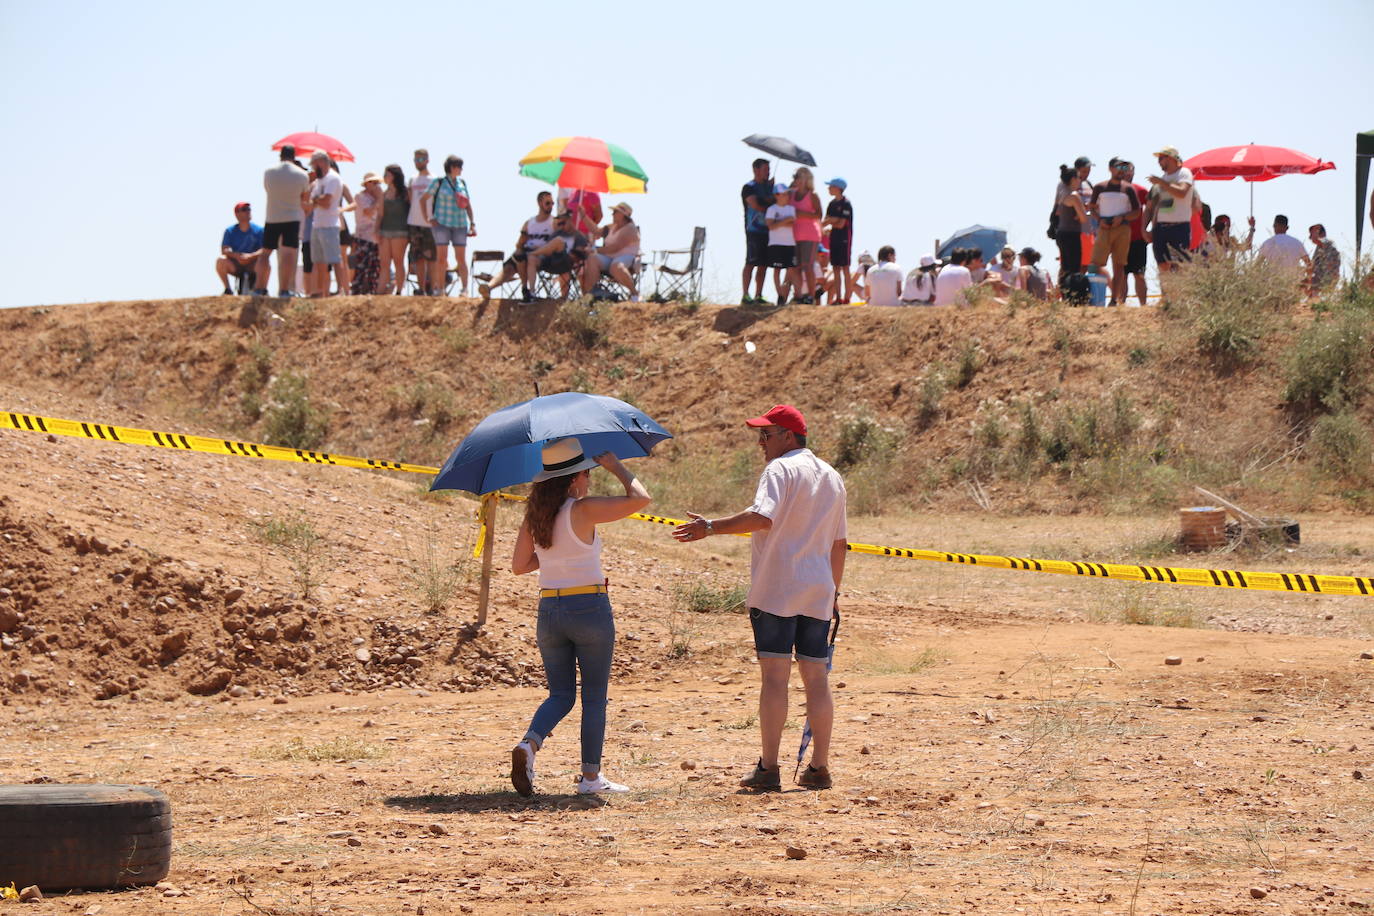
(613, 290)
(413, 287)
(675, 282)
(496, 259)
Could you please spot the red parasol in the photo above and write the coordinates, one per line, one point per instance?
(1253, 163)
(307, 142)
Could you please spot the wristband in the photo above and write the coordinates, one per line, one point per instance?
(710, 528)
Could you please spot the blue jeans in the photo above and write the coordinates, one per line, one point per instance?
(576, 631)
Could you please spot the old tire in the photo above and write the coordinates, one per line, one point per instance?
(60, 837)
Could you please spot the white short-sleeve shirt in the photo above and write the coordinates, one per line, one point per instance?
(790, 572)
(885, 284)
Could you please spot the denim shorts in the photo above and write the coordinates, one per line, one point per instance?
(777, 637)
(1171, 241)
(456, 236)
(606, 260)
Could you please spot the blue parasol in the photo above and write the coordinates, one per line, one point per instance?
(988, 239)
(504, 449)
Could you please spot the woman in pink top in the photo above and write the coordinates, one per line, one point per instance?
(807, 230)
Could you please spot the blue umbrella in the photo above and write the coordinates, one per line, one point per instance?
(829, 664)
(989, 239)
(504, 449)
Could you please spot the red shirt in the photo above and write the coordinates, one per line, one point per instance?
(1138, 224)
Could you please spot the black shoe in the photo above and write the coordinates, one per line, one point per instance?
(763, 779)
(782, 299)
(227, 292)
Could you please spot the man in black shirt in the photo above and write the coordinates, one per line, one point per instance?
(757, 196)
(839, 222)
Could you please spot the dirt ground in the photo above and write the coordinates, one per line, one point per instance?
(1005, 743)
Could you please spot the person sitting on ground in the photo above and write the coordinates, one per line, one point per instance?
(1326, 261)
(827, 280)
(240, 249)
(885, 279)
(1221, 243)
(618, 252)
(782, 243)
(859, 277)
(1284, 250)
(1032, 278)
(953, 279)
(919, 288)
(1005, 270)
(535, 233)
(561, 255)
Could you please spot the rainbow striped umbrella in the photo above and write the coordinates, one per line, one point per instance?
(587, 164)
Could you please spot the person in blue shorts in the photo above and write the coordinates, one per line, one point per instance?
(797, 522)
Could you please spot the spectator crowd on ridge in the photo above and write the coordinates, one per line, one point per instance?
(404, 228)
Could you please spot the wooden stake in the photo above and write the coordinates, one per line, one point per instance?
(1235, 510)
(488, 516)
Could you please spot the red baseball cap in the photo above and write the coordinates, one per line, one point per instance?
(784, 415)
(242, 205)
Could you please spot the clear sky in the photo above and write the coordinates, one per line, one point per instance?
(131, 128)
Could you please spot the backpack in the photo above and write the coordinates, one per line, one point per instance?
(1076, 290)
(1037, 283)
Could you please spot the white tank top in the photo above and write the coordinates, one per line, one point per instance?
(569, 561)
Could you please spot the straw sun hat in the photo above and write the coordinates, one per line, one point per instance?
(562, 457)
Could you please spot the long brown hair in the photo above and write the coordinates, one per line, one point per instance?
(546, 498)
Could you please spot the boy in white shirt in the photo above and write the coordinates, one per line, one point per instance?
(782, 244)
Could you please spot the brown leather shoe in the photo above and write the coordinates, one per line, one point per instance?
(763, 779)
(814, 778)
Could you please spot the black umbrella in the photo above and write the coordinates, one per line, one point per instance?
(780, 147)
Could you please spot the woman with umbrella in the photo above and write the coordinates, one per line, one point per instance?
(576, 630)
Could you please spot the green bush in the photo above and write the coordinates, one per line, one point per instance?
(1329, 365)
(1342, 445)
(931, 392)
(587, 323)
(1229, 304)
(863, 439)
(289, 419)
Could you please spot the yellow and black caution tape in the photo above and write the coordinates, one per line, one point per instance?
(1307, 583)
(130, 436)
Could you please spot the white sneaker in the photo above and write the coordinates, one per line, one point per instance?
(598, 785)
(522, 768)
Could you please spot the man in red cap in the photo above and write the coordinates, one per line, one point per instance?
(240, 248)
(798, 526)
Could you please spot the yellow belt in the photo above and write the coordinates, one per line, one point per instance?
(575, 590)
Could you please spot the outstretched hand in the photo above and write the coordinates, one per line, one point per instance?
(693, 530)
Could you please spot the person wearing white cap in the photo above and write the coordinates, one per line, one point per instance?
(575, 630)
(367, 203)
(617, 254)
(919, 288)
